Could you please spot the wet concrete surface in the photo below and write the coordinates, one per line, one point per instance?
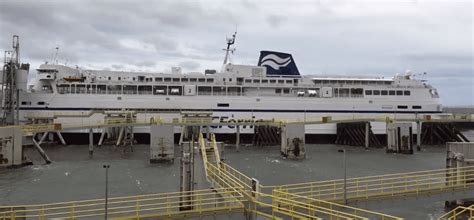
(74, 175)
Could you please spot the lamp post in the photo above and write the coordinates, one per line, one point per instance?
(106, 167)
(345, 173)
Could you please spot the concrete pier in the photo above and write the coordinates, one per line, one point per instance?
(293, 141)
(161, 143)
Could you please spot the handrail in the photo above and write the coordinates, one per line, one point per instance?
(165, 204)
(216, 149)
(453, 214)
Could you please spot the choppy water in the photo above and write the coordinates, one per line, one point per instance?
(73, 175)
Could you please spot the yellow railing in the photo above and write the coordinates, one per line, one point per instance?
(460, 212)
(202, 147)
(330, 206)
(216, 149)
(154, 205)
(365, 188)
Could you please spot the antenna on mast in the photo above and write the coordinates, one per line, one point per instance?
(228, 50)
(55, 60)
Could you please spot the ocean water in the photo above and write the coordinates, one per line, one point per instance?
(74, 175)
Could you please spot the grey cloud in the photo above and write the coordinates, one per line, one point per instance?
(189, 65)
(275, 20)
(117, 66)
(145, 64)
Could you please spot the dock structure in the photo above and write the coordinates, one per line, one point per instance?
(235, 193)
(120, 125)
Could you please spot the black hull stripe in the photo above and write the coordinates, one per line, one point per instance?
(236, 110)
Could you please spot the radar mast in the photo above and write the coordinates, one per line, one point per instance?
(228, 51)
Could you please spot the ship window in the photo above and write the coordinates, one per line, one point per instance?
(388, 82)
(158, 79)
(256, 81)
(264, 80)
(391, 92)
(175, 79)
(402, 107)
(248, 81)
(349, 82)
(416, 107)
(41, 103)
(25, 103)
(281, 81)
(379, 82)
(210, 80)
(230, 79)
(406, 92)
(399, 92)
(184, 79)
(384, 92)
(371, 82)
(133, 78)
(368, 92)
(272, 81)
(376, 92)
(110, 78)
(201, 80)
(277, 91)
(333, 81)
(317, 81)
(192, 80)
(364, 82)
(356, 92)
(119, 78)
(286, 91)
(222, 104)
(167, 79)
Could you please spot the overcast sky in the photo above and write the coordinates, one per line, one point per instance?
(377, 38)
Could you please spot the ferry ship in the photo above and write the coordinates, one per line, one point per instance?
(272, 89)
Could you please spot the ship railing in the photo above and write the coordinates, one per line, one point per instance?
(372, 187)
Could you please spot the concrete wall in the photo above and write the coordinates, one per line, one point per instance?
(11, 149)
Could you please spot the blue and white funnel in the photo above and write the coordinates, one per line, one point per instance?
(278, 63)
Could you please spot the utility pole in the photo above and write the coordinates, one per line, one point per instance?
(345, 174)
(106, 166)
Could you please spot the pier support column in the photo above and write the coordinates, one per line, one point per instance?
(45, 134)
(367, 126)
(102, 136)
(61, 137)
(120, 136)
(41, 151)
(237, 138)
(161, 143)
(91, 142)
(418, 135)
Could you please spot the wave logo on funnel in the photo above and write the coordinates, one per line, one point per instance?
(274, 61)
(278, 63)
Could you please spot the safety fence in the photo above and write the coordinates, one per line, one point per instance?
(373, 187)
(460, 212)
(173, 205)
